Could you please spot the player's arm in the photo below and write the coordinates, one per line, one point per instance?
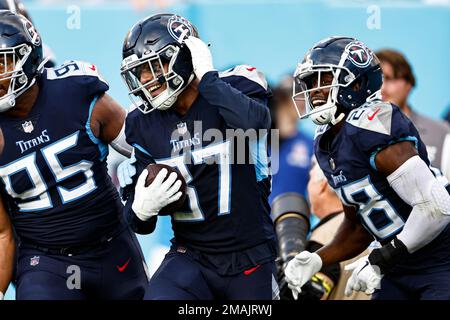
(128, 192)
(108, 124)
(412, 180)
(350, 240)
(137, 225)
(146, 201)
(7, 250)
(238, 109)
(324, 281)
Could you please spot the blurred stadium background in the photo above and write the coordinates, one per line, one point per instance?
(271, 35)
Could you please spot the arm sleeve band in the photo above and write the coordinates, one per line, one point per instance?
(120, 144)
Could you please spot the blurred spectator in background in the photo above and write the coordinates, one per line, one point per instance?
(398, 83)
(325, 204)
(296, 148)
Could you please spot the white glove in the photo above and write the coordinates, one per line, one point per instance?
(300, 270)
(126, 171)
(149, 200)
(1, 296)
(365, 277)
(201, 56)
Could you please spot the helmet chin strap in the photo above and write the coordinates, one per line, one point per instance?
(9, 100)
(328, 111)
(169, 102)
(337, 119)
(7, 103)
(42, 64)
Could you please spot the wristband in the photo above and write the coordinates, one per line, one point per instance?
(388, 255)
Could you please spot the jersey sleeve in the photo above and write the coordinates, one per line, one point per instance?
(133, 134)
(131, 124)
(376, 127)
(242, 95)
(85, 76)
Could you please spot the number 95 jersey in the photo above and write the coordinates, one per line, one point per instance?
(53, 172)
(349, 165)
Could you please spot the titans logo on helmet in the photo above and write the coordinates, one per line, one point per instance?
(179, 28)
(31, 33)
(359, 54)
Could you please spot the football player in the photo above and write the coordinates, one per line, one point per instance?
(373, 157)
(224, 245)
(56, 125)
(18, 7)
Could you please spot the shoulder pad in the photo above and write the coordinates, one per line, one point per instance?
(376, 117)
(73, 69)
(249, 72)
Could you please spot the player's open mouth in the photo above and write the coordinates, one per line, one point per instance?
(318, 102)
(156, 89)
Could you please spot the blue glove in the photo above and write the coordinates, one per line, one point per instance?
(126, 171)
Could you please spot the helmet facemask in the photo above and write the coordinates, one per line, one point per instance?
(13, 60)
(171, 82)
(309, 78)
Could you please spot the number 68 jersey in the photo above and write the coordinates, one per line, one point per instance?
(53, 173)
(349, 165)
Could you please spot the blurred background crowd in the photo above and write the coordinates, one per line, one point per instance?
(411, 38)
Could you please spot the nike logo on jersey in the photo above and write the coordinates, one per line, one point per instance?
(122, 268)
(93, 68)
(251, 270)
(370, 117)
(251, 69)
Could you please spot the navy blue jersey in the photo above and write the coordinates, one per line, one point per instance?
(53, 170)
(349, 165)
(227, 207)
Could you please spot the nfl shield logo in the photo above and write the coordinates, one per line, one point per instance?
(27, 126)
(182, 128)
(332, 164)
(34, 261)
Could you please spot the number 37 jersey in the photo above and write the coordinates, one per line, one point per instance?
(53, 173)
(350, 168)
(226, 208)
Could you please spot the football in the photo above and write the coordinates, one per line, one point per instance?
(153, 170)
